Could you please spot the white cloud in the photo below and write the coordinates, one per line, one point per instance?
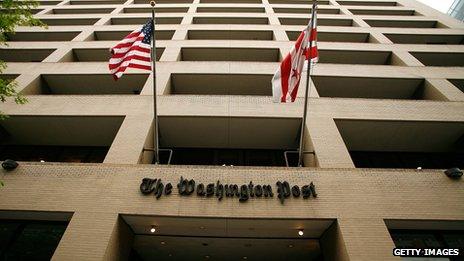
(440, 5)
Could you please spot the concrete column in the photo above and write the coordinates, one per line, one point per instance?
(91, 236)
(330, 148)
(441, 89)
(365, 239)
(400, 57)
(128, 145)
(332, 244)
(120, 243)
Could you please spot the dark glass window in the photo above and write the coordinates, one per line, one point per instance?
(29, 240)
(407, 160)
(54, 153)
(236, 157)
(405, 238)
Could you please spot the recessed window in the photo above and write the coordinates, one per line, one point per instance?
(405, 23)
(229, 35)
(96, 2)
(414, 238)
(221, 84)
(118, 35)
(228, 157)
(306, 10)
(230, 10)
(24, 55)
(85, 84)
(30, 240)
(334, 37)
(356, 57)
(57, 138)
(231, 1)
(49, 2)
(229, 20)
(82, 10)
(371, 88)
(440, 59)
(230, 54)
(95, 55)
(165, 1)
(296, 2)
(404, 144)
(425, 38)
(230, 141)
(368, 3)
(320, 21)
(33, 11)
(8, 77)
(459, 83)
(143, 20)
(157, 10)
(41, 36)
(73, 21)
(383, 12)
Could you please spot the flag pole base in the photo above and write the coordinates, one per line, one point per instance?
(286, 153)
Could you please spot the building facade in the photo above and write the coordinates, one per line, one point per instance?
(386, 118)
(457, 10)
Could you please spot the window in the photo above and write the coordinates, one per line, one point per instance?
(58, 138)
(425, 38)
(408, 238)
(229, 35)
(230, 20)
(24, 55)
(440, 59)
(221, 84)
(29, 240)
(230, 54)
(228, 157)
(404, 144)
(86, 84)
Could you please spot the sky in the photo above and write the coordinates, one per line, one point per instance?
(440, 5)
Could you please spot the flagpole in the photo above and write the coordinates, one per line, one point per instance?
(305, 111)
(155, 115)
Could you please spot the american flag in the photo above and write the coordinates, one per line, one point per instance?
(132, 51)
(287, 77)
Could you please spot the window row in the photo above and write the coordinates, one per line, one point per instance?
(234, 84)
(444, 59)
(320, 2)
(236, 141)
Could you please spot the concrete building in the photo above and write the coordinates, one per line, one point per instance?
(386, 118)
(457, 10)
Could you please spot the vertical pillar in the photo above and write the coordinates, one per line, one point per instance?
(365, 239)
(94, 236)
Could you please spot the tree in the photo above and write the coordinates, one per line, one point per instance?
(13, 13)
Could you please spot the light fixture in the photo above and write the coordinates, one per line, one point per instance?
(9, 164)
(454, 173)
(163, 242)
(207, 257)
(153, 229)
(201, 227)
(42, 160)
(290, 246)
(300, 232)
(244, 258)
